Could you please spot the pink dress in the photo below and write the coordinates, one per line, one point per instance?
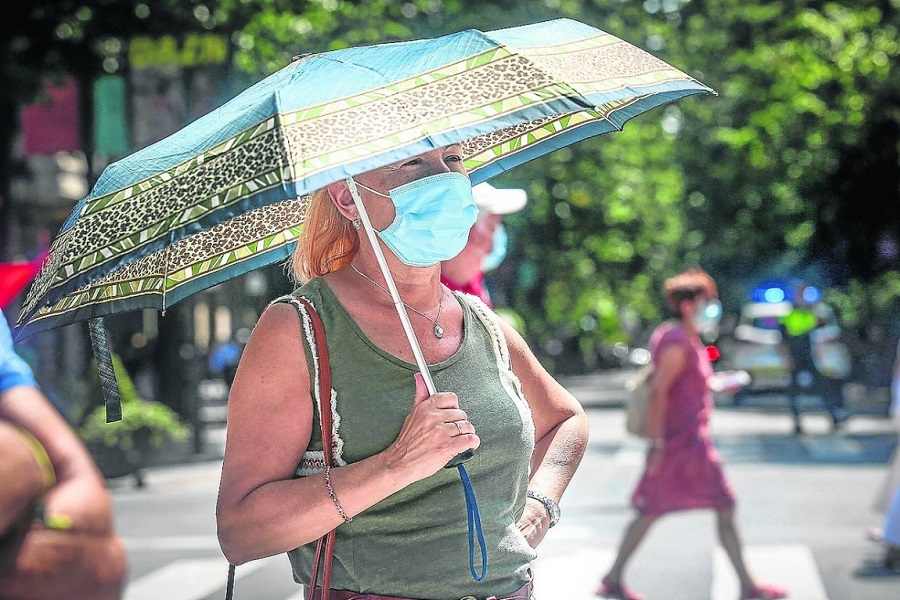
(690, 475)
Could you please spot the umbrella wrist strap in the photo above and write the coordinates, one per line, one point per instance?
(473, 523)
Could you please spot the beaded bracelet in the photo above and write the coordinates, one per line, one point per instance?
(337, 503)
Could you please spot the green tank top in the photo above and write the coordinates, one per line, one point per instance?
(414, 543)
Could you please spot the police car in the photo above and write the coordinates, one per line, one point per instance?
(758, 347)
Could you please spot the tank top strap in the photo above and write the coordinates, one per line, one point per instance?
(488, 320)
(510, 381)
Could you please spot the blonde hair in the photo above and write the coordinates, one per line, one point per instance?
(328, 242)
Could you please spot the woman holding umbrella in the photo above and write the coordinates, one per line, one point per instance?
(384, 129)
(396, 510)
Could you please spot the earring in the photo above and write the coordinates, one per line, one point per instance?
(356, 223)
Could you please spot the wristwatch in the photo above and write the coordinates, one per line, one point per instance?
(549, 504)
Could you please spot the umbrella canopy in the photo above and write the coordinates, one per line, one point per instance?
(229, 192)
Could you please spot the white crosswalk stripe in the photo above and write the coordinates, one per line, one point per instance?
(789, 566)
(174, 543)
(188, 579)
(569, 574)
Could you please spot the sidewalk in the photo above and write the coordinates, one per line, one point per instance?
(606, 390)
(601, 389)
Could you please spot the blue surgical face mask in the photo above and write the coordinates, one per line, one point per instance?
(432, 218)
(498, 250)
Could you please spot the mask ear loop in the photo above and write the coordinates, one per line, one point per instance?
(367, 188)
(473, 516)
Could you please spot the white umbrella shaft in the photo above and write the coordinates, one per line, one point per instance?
(392, 287)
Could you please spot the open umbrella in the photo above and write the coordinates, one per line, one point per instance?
(228, 193)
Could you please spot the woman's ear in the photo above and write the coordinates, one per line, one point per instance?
(340, 196)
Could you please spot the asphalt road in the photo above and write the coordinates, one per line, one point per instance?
(804, 504)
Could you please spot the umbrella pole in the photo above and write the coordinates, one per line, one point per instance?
(473, 516)
(392, 287)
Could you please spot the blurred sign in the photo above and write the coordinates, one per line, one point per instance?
(110, 117)
(51, 124)
(193, 50)
(811, 294)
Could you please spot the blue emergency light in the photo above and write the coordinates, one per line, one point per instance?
(771, 291)
(811, 295)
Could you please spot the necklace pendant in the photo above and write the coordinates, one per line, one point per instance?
(438, 331)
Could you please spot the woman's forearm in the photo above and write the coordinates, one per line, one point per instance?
(282, 515)
(557, 455)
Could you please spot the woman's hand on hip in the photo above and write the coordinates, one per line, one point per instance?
(435, 431)
(534, 523)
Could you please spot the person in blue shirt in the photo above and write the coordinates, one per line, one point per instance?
(13, 370)
(56, 532)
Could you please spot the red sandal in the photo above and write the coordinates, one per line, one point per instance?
(764, 591)
(615, 591)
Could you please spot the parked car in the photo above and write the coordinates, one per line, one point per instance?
(757, 346)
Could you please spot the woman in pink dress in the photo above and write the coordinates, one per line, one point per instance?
(683, 470)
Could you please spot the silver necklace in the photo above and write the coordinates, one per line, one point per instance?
(437, 329)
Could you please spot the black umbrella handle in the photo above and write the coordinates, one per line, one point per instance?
(460, 459)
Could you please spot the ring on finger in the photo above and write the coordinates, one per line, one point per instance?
(458, 428)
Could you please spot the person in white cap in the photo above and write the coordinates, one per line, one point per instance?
(486, 247)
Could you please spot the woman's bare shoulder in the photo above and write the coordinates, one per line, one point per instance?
(271, 384)
(279, 323)
(269, 407)
(275, 349)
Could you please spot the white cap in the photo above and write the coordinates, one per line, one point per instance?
(499, 202)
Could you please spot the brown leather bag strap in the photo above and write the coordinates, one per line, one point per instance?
(324, 374)
(324, 555)
(325, 546)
